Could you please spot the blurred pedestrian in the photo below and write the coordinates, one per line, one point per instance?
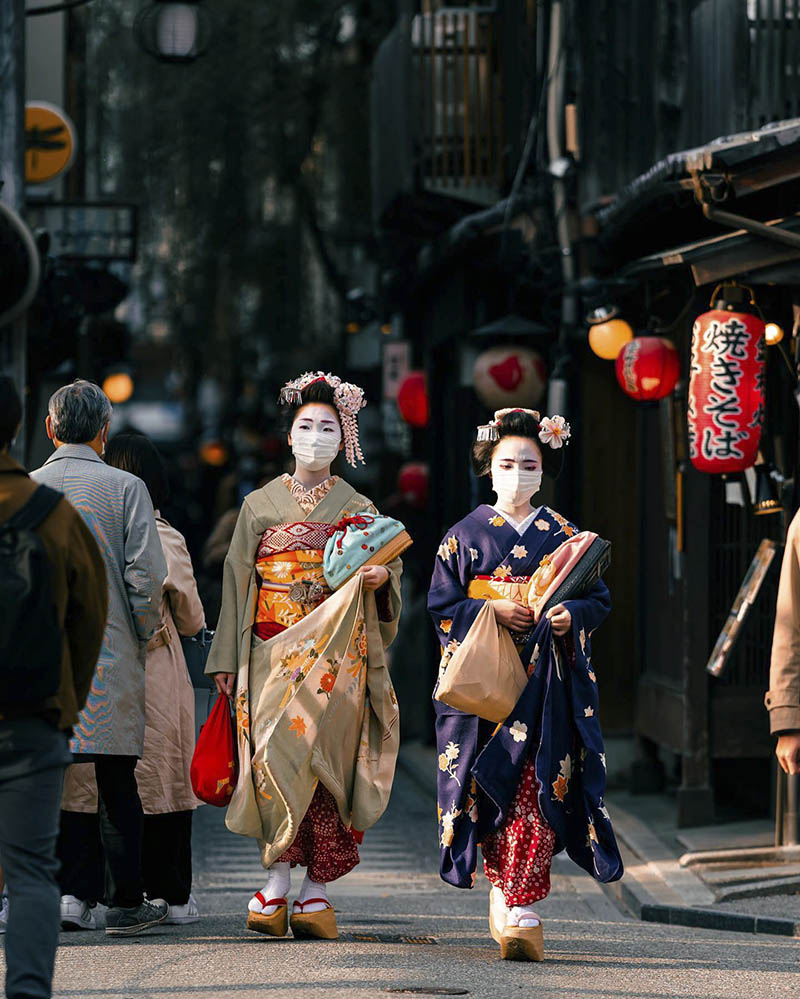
(110, 730)
(53, 604)
(162, 774)
(308, 780)
(783, 697)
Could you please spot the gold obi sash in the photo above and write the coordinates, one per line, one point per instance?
(291, 585)
(525, 590)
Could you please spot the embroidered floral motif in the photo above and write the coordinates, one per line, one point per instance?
(474, 554)
(261, 782)
(519, 731)
(541, 525)
(298, 726)
(566, 527)
(447, 761)
(582, 637)
(603, 760)
(446, 624)
(471, 805)
(592, 676)
(588, 712)
(519, 551)
(448, 547)
(561, 783)
(447, 654)
(448, 819)
(326, 683)
(593, 833)
(503, 571)
(306, 498)
(496, 521)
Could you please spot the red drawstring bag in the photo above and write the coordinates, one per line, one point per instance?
(215, 764)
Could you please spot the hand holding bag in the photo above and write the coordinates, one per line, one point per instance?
(215, 764)
(485, 675)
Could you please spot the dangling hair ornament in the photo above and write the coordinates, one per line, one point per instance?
(553, 430)
(347, 398)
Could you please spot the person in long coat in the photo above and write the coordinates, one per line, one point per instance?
(162, 774)
(110, 731)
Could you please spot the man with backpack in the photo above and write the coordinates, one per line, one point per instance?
(117, 509)
(53, 603)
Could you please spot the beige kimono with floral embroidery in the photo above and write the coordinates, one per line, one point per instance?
(294, 731)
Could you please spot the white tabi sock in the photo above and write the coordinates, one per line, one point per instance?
(313, 889)
(522, 916)
(277, 886)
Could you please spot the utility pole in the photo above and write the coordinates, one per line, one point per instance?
(12, 168)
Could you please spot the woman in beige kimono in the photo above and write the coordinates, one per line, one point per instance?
(316, 713)
(162, 774)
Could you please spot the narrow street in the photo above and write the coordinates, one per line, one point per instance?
(403, 929)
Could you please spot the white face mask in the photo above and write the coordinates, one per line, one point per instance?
(315, 449)
(515, 486)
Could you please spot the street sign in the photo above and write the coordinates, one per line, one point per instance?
(86, 230)
(50, 142)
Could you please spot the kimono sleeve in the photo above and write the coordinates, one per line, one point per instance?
(453, 612)
(592, 608)
(236, 576)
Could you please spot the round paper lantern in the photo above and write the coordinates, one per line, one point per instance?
(412, 399)
(726, 389)
(413, 482)
(648, 368)
(608, 338)
(509, 376)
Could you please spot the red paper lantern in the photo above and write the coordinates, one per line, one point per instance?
(412, 399)
(509, 376)
(413, 482)
(648, 368)
(726, 389)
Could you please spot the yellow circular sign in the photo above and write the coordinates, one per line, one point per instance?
(50, 142)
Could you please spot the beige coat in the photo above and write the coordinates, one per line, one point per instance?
(163, 771)
(292, 734)
(783, 698)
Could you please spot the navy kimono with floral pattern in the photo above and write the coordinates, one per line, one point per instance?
(554, 722)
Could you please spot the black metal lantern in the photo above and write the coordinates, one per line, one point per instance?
(174, 31)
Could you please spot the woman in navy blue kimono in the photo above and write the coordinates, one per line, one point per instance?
(533, 785)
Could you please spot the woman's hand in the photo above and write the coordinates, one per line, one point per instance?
(374, 576)
(225, 683)
(788, 752)
(512, 615)
(560, 618)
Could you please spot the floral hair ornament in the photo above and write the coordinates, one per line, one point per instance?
(553, 430)
(347, 398)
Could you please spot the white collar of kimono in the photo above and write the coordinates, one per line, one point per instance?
(520, 526)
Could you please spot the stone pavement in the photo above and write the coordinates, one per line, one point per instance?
(405, 930)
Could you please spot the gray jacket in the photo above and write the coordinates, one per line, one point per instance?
(117, 509)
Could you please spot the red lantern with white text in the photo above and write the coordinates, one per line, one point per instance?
(648, 368)
(509, 376)
(726, 387)
(412, 399)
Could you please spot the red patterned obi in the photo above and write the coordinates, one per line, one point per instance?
(291, 582)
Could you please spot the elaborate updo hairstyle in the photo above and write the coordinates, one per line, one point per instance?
(517, 423)
(320, 392)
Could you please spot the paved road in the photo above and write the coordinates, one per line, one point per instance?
(404, 929)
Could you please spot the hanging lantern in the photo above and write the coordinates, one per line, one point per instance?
(608, 334)
(412, 399)
(726, 386)
(648, 368)
(509, 376)
(413, 483)
(173, 31)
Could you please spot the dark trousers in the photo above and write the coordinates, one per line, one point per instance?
(166, 856)
(33, 756)
(120, 815)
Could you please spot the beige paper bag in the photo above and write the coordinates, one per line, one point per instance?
(485, 675)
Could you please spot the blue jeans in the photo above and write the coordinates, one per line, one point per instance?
(33, 756)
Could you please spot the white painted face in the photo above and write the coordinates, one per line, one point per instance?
(316, 436)
(516, 470)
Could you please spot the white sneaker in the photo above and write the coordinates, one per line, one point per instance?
(76, 915)
(3, 913)
(179, 915)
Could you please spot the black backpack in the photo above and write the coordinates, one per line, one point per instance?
(30, 634)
